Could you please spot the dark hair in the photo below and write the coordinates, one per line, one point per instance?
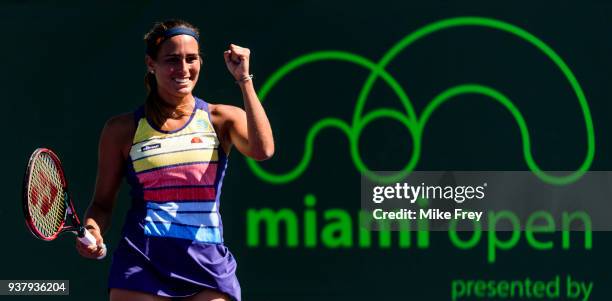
(153, 39)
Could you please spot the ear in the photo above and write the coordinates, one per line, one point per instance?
(150, 63)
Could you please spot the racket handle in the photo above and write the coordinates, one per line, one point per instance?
(90, 240)
(87, 238)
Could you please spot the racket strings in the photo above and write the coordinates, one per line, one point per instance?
(46, 196)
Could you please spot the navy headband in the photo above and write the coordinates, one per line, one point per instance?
(175, 31)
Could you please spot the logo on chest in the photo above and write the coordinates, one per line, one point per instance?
(206, 141)
(150, 147)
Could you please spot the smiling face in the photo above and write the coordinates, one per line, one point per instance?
(176, 68)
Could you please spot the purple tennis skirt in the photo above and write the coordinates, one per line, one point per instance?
(171, 267)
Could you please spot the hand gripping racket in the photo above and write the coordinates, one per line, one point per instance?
(46, 201)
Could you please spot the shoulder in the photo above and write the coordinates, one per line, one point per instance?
(119, 131)
(224, 118)
(121, 124)
(225, 115)
(224, 111)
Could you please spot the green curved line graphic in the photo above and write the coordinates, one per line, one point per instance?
(409, 118)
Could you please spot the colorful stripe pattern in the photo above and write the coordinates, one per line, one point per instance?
(180, 175)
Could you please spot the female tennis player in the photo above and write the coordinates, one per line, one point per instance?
(173, 152)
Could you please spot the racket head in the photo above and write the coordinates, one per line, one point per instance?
(45, 195)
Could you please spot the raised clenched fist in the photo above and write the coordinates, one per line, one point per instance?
(237, 61)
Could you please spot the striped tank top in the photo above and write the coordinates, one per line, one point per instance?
(178, 175)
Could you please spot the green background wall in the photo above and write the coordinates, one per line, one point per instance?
(67, 67)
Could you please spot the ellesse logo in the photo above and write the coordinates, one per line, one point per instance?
(196, 140)
(150, 147)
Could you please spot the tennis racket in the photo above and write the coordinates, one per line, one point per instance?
(46, 201)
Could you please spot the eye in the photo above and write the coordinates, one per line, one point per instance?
(192, 59)
(172, 60)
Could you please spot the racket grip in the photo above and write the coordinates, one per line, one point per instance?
(87, 238)
(90, 240)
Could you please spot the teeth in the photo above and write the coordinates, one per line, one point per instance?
(181, 80)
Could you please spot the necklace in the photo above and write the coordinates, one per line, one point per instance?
(179, 112)
(176, 115)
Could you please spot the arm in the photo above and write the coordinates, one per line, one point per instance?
(248, 129)
(111, 160)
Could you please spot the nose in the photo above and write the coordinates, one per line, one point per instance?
(184, 66)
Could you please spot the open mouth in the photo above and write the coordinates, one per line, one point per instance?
(181, 80)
